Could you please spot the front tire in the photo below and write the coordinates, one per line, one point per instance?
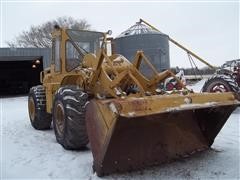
(39, 118)
(220, 83)
(69, 117)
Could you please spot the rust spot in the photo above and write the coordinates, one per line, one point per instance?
(139, 105)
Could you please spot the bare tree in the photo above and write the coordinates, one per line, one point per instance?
(40, 36)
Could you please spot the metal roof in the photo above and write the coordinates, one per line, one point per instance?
(26, 54)
(138, 29)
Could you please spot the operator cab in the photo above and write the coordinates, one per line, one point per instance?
(79, 44)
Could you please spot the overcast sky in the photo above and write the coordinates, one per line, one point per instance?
(210, 29)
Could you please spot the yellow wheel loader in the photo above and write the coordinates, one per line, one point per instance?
(130, 122)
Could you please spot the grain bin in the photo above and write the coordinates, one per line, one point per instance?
(141, 37)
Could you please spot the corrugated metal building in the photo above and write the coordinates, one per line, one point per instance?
(20, 68)
(26, 54)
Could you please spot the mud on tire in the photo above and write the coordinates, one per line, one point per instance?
(39, 118)
(69, 109)
(220, 83)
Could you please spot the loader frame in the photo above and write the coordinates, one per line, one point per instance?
(99, 68)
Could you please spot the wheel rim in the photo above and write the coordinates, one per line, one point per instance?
(31, 108)
(169, 86)
(59, 117)
(219, 88)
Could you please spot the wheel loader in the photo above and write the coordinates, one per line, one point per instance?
(91, 96)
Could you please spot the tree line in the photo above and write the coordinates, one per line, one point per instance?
(39, 36)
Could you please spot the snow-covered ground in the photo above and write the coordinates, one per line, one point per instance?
(32, 154)
(197, 87)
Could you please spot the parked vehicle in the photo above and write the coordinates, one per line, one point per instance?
(107, 101)
(226, 78)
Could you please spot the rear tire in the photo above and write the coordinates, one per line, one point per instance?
(220, 83)
(69, 117)
(39, 118)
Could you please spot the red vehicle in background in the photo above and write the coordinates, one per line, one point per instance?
(226, 78)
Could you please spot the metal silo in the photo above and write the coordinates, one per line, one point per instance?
(141, 37)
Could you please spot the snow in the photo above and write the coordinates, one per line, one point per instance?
(198, 85)
(32, 154)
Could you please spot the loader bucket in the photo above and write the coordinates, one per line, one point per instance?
(132, 133)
